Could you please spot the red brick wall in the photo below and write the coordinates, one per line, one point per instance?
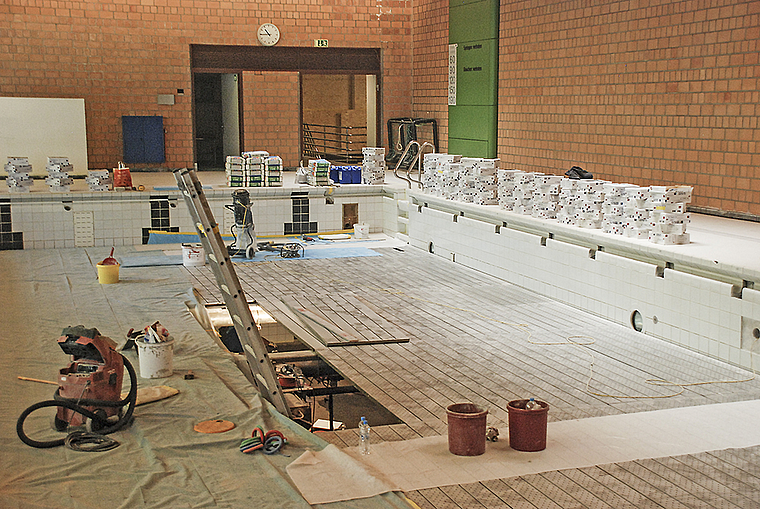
(431, 57)
(119, 55)
(270, 114)
(648, 92)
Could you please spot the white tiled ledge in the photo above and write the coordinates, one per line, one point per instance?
(693, 310)
(699, 255)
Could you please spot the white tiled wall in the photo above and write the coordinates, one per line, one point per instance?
(47, 220)
(697, 312)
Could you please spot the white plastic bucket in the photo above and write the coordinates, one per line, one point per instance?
(361, 231)
(156, 359)
(193, 255)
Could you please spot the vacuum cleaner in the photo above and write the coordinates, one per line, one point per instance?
(243, 232)
(89, 392)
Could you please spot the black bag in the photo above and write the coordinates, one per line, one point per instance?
(578, 173)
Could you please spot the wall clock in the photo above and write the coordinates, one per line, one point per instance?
(268, 34)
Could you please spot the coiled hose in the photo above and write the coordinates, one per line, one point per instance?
(79, 407)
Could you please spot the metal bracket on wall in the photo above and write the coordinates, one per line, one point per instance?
(262, 370)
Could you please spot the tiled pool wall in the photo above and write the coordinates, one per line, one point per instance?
(54, 221)
(703, 314)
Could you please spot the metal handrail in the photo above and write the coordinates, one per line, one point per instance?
(339, 143)
(418, 159)
(401, 159)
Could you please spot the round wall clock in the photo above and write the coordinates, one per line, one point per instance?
(268, 34)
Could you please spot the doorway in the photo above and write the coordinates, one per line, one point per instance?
(217, 118)
(339, 116)
(210, 62)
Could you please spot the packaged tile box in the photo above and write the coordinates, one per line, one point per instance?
(373, 165)
(613, 207)
(99, 180)
(58, 179)
(273, 171)
(19, 174)
(319, 172)
(480, 180)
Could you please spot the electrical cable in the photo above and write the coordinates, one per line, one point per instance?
(79, 407)
(83, 441)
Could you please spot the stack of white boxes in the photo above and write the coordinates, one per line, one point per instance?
(441, 174)
(613, 207)
(273, 170)
(546, 196)
(638, 211)
(525, 185)
(319, 172)
(669, 217)
(480, 183)
(431, 177)
(254, 167)
(451, 180)
(373, 165)
(99, 180)
(58, 178)
(19, 179)
(506, 188)
(588, 209)
(568, 201)
(234, 167)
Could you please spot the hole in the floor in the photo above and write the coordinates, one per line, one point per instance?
(431, 248)
(303, 376)
(756, 333)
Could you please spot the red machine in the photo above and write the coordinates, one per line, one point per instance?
(92, 380)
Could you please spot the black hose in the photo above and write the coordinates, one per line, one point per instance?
(78, 407)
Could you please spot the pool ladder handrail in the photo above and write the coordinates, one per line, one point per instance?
(417, 159)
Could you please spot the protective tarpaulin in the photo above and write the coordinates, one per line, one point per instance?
(162, 461)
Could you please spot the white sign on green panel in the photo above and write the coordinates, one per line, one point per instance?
(453, 74)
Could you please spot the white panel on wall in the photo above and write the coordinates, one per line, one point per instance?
(39, 128)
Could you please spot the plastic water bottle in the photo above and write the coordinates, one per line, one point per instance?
(532, 405)
(364, 430)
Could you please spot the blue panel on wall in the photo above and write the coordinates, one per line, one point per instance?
(143, 139)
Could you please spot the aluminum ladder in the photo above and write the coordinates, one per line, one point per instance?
(262, 371)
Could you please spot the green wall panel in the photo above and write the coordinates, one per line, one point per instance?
(474, 123)
(474, 28)
(477, 65)
(473, 20)
(470, 148)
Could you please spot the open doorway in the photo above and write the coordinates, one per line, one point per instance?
(339, 116)
(217, 118)
(269, 91)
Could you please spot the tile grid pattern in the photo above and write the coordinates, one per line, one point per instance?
(418, 395)
(456, 355)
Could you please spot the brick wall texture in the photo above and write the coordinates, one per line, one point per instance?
(646, 92)
(119, 54)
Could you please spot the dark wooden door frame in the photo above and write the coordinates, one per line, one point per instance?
(222, 59)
